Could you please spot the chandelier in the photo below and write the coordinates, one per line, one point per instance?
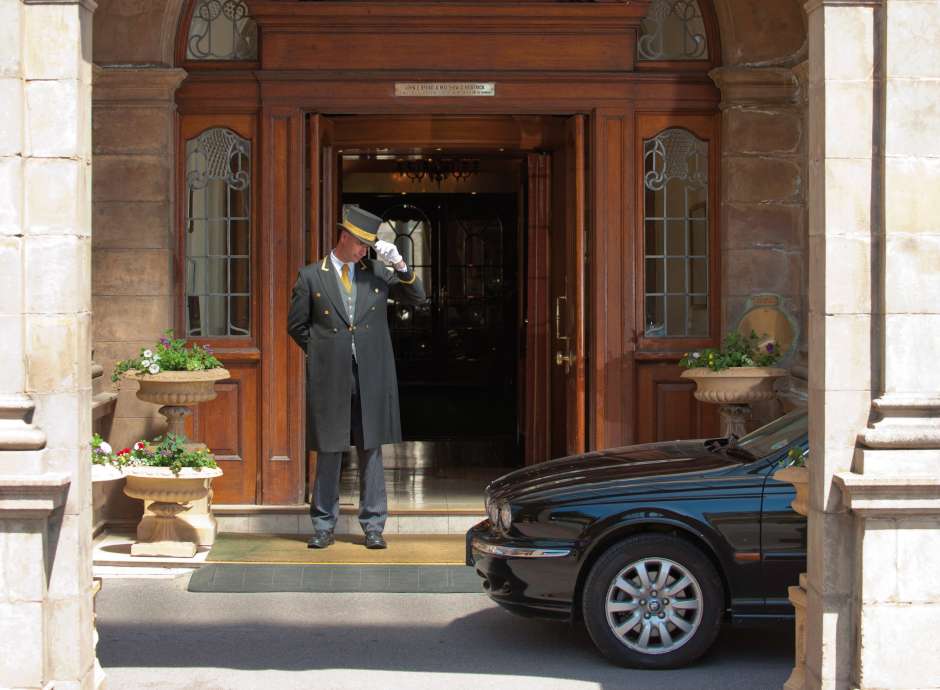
(439, 169)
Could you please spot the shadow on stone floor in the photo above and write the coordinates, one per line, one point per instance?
(745, 656)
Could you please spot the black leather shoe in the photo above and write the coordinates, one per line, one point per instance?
(374, 540)
(320, 539)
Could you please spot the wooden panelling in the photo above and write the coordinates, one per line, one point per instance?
(667, 409)
(519, 133)
(228, 425)
(610, 246)
(536, 407)
(283, 448)
(460, 36)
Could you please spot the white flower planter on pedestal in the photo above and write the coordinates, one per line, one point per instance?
(170, 495)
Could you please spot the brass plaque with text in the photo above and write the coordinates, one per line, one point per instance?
(446, 89)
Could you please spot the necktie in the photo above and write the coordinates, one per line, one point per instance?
(345, 278)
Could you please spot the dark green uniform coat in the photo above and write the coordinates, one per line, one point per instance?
(318, 322)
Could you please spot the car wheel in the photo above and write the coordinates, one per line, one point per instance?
(653, 601)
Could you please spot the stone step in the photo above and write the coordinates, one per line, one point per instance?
(296, 520)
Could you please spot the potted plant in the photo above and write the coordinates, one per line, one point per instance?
(175, 376)
(170, 474)
(739, 373)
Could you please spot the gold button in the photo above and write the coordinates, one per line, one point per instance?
(317, 295)
(326, 312)
(375, 290)
(352, 328)
(336, 330)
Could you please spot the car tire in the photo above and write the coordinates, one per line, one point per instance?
(639, 620)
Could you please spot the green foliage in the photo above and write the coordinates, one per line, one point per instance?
(796, 457)
(736, 351)
(170, 354)
(169, 451)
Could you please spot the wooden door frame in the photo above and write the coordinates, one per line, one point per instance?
(516, 136)
(611, 101)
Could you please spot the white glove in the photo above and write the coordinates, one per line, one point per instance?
(388, 253)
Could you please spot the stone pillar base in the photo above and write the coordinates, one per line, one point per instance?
(797, 680)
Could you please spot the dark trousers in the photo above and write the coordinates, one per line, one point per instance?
(373, 502)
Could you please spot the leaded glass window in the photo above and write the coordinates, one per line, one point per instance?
(218, 234)
(222, 30)
(676, 234)
(673, 30)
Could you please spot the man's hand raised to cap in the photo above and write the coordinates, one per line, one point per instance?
(388, 253)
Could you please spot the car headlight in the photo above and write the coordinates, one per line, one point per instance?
(505, 516)
(492, 511)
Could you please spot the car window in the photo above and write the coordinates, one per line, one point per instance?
(777, 435)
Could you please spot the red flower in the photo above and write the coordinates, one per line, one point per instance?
(124, 452)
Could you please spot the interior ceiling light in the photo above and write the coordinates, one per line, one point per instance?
(439, 169)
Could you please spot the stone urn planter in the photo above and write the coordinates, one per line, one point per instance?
(734, 389)
(177, 392)
(799, 477)
(168, 495)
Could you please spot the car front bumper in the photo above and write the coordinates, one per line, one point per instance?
(531, 579)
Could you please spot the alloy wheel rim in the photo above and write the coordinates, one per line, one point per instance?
(654, 606)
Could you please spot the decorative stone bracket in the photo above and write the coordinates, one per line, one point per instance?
(889, 496)
(32, 496)
(17, 431)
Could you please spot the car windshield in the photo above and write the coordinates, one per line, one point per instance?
(777, 435)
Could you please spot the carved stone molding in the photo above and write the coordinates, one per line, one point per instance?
(887, 497)
(32, 496)
(17, 431)
(137, 85)
(756, 86)
(907, 422)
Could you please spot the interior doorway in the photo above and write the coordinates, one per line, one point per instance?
(490, 212)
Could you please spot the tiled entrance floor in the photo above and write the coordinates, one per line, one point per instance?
(434, 475)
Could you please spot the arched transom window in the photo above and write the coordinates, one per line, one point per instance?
(221, 30)
(673, 30)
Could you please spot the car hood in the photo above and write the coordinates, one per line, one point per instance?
(615, 468)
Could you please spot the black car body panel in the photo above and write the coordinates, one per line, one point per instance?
(711, 493)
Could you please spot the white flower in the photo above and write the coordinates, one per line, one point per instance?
(696, 355)
(148, 354)
(145, 363)
(139, 445)
(105, 447)
(154, 369)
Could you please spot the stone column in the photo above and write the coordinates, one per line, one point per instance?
(893, 490)
(842, 189)
(46, 629)
(134, 124)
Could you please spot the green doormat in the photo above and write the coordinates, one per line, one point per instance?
(403, 549)
(236, 578)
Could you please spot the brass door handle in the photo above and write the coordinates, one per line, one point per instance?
(563, 360)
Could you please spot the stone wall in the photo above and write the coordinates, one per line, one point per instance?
(134, 124)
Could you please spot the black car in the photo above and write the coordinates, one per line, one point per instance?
(652, 546)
